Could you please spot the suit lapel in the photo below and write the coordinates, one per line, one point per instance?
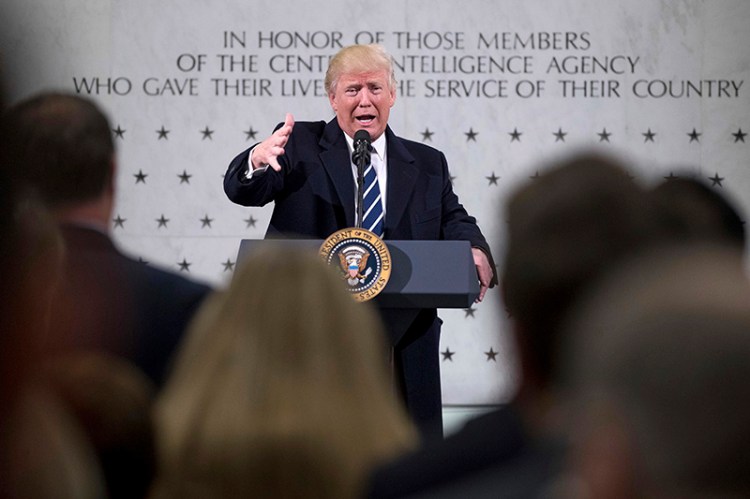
(402, 177)
(402, 173)
(335, 158)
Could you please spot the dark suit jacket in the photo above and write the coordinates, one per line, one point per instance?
(492, 456)
(314, 192)
(314, 196)
(107, 301)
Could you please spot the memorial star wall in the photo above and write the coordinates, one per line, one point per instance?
(502, 87)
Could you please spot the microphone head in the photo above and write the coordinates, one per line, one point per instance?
(362, 135)
(362, 143)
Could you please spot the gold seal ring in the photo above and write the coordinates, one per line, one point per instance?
(362, 260)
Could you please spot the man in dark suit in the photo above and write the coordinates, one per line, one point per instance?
(62, 145)
(306, 170)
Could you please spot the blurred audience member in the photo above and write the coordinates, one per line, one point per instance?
(659, 371)
(43, 452)
(692, 211)
(112, 401)
(62, 146)
(282, 390)
(564, 229)
(32, 252)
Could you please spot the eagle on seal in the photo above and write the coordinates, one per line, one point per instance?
(353, 264)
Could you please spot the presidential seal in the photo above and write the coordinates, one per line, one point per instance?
(361, 258)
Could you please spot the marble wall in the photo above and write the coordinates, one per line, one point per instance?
(502, 87)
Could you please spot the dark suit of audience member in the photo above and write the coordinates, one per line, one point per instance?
(105, 300)
(108, 301)
(312, 184)
(565, 229)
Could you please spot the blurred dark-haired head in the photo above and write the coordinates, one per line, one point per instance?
(691, 210)
(61, 144)
(565, 229)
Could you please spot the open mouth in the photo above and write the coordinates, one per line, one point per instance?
(365, 119)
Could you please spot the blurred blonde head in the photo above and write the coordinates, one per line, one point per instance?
(282, 389)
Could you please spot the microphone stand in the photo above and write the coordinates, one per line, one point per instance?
(360, 190)
(361, 158)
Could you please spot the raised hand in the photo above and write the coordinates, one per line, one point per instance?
(267, 152)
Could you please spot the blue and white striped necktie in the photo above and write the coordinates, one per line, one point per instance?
(372, 203)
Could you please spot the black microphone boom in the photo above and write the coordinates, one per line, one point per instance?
(362, 143)
(361, 158)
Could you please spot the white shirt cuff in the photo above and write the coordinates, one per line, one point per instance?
(250, 171)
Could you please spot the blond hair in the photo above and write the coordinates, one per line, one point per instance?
(359, 59)
(283, 386)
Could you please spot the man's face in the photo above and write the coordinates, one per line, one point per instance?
(362, 101)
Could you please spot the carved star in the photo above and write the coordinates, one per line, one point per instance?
(119, 221)
(649, 136)
(140, 177)
(471, 135)
(491, 355)
(228, 265)
(184, 265)
(447, 355)
(515, 135)
(604, 135)
(184, 177)
(251, 133)
(162, 133)
(716, 180)
(250, 222)
(559, 135)
(119, 132)
(469, 312)
(206, 222)
(162, 221)
(671, 176)
(739, 135)
(492, 178)
(207, 134)
(427, 134)
(694, 136)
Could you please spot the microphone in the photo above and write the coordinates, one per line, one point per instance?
(361, 158)
(362, 143)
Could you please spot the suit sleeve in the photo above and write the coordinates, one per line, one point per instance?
(457, 224)
(258, 191)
